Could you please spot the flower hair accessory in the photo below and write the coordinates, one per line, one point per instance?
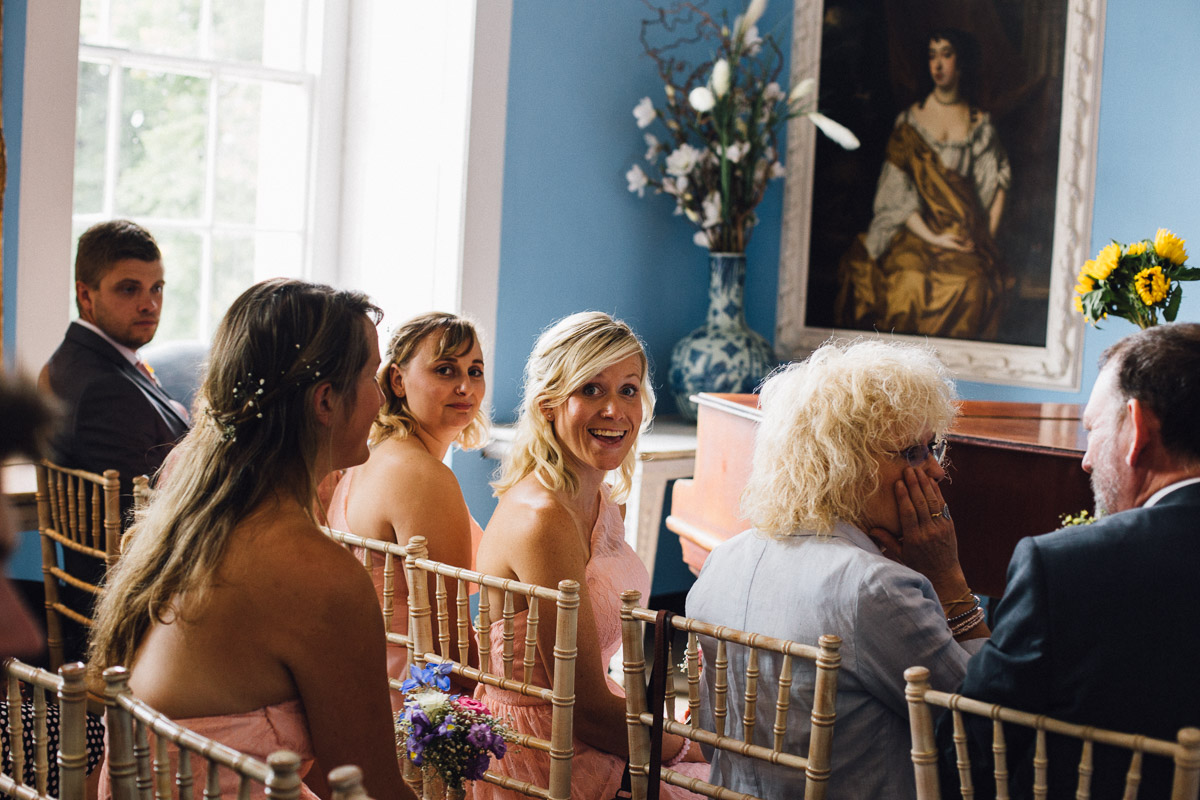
(250, 395)
(1135, 281)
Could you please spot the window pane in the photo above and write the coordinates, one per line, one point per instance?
(91, 27)
(261, 154)
(162, 141)
(182, 252)
(267, 32)
(91, 131)
(242, 259)
(157, 26)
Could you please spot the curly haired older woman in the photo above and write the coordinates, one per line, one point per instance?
(851, 537)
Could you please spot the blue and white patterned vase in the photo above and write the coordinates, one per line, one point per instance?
(724, 355)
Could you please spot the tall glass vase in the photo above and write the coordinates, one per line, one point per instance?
(723, 355)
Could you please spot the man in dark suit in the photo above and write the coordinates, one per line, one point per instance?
(116, 415)
(1097, 625)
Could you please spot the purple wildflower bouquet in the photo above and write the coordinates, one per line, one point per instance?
(454, 734)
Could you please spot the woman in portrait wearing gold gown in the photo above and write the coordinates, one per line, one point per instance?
(928, 264)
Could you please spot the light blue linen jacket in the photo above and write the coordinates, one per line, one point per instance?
(889, 619)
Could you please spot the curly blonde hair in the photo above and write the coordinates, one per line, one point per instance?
(826, 422)
(457, 335)
(566, 356)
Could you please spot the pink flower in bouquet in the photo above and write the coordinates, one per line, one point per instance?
(471, 704)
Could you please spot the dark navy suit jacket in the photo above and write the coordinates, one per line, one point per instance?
(1098, 626)
(116, 417)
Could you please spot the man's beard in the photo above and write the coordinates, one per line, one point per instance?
(1106, 491)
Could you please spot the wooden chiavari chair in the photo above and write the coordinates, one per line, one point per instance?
(79, 513)
(70, 757)
(452, 585)
(1185, 752)
(345, 783)
(141, 492)
(136, 774)
(816, 764)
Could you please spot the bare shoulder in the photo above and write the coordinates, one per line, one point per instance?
(530, 523)
(296, 567)
(397, 464)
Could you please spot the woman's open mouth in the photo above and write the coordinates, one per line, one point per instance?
(607, 436)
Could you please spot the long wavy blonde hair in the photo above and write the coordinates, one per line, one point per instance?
(567, 355)
(826, 422)
(456, 336)
(254, 435)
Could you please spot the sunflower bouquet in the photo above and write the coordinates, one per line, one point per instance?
(1135, 281)
(454, 735)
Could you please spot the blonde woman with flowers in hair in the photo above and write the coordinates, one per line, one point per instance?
(433, 386)
(587, 396)
(235, 615)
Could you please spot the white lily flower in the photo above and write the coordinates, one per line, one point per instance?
(637, 180)
(834, 130)
(720, 78)
(736, 150)
(751, 41)
(682, 161)
(712, 210)
(754, 12)
(701, 239)
(653, 146)
(701, 99)
(772, 93)
(778, 170)
(644, 112)
(801, 90)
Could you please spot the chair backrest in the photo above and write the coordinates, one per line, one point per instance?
(1185, 751)
(815, 764)
(452, 585)
(392, 555)
(136, 774)
(345, 783)
(25, 773)
(142, 493)
(79, 513)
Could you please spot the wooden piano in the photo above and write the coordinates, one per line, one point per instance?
(1014, 470)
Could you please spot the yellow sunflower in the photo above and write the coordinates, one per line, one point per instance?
(1089, 269)
(1169, 247)
(1079, 303)
(1086, 283)
(1151, 285)
(1135, 248)
(1106, 261)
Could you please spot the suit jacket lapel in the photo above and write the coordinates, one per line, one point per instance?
(151, 389)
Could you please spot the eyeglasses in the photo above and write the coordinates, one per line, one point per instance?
(915, 456)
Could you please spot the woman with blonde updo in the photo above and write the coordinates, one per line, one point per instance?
(433, 386)
(236, 616)
(587, 397)
(853, 538)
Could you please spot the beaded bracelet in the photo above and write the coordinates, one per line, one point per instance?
(682, 754)
(958, 617)
(973, 620)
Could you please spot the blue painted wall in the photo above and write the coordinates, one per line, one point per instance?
(14, 91)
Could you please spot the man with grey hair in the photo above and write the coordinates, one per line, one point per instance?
(1097, 623)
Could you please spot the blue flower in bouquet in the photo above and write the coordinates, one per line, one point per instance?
(454, 735)
(434, 676)
(477, 765)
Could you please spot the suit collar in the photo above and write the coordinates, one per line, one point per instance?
(1187, 490)
(85, 337)
(127, 353)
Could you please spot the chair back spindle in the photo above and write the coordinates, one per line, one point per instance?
(815, 765)
(1184, 751)
(560, 695)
